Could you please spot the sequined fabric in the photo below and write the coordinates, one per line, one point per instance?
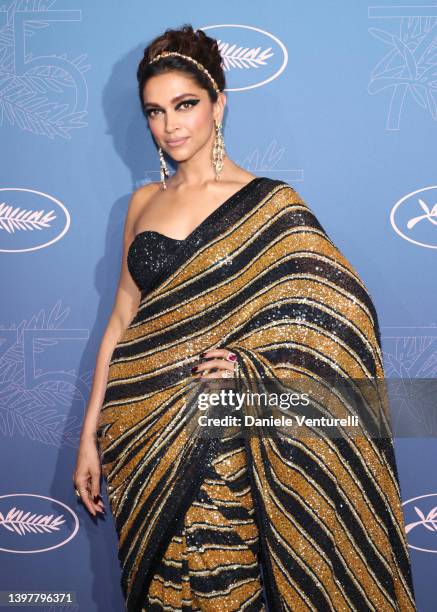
(148, 255)
(260, 277)
(212, 560)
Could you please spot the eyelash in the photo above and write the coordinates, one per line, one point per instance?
(190, 102)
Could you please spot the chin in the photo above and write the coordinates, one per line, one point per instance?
(179, 157)
(182, 154)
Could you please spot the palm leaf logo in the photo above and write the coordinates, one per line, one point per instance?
(234, 56)
(429, 521)
(21, 523)
(431, 215)
(12, 219)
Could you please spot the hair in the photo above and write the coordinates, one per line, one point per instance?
(195, 44)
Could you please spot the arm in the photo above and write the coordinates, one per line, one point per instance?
(126, 303)
(86, 476)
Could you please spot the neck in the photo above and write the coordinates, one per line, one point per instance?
(194, 173)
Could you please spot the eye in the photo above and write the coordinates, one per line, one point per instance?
(189, 102)
(150, 111)
(185, 103)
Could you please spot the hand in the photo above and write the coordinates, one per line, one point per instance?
(86, 477)
(225, 361)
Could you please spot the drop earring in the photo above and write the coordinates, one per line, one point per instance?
(163, 168)
(218, 151)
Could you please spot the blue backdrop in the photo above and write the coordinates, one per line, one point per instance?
(337, 98)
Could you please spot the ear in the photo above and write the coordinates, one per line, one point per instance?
(219, 106)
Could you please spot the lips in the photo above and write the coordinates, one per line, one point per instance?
(176, 143)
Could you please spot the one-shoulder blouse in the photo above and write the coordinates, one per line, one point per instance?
(148, 255)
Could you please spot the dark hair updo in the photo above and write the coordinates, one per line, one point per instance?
(195, 44)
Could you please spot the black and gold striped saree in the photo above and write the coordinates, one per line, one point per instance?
(236, 522)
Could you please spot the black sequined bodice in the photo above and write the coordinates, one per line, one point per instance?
(149, 251)
(148, 255)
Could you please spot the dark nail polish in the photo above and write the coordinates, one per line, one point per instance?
(194, 369)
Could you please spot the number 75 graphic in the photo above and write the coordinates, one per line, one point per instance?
(45, 95)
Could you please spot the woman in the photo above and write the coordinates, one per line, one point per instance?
(237, 278)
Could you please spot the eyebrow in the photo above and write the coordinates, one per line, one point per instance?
(175, 99)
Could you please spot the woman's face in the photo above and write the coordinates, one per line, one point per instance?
(178, 109)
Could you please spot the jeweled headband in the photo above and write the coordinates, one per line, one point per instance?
(190, 59)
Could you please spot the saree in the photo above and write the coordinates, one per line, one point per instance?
(227, 522)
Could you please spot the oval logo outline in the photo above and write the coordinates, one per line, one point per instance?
(393, 220)
(49, 197)
(265, 33)
(409, 501)
(51, 499)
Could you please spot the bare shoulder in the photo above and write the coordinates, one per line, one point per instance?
(143, 195)
(137, 204)
(244, 177)
(250, 177)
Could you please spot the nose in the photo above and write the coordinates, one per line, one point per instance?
(171, 122)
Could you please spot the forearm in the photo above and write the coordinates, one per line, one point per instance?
(110, 338)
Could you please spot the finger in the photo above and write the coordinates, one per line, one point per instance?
(93, 506)
(201, 372)
(94, 493)
(95, 488)
(85, 499)
(224, 365)
(210, 375)
(85, 495)
(203, 365)
(218, 374)
(212, 363)
(224, 353)
(200, 375)
(213, 353)
(220, 366)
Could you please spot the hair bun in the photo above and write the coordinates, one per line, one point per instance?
(187, 41)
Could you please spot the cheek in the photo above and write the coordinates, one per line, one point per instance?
(155, 128)
(197, 122)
